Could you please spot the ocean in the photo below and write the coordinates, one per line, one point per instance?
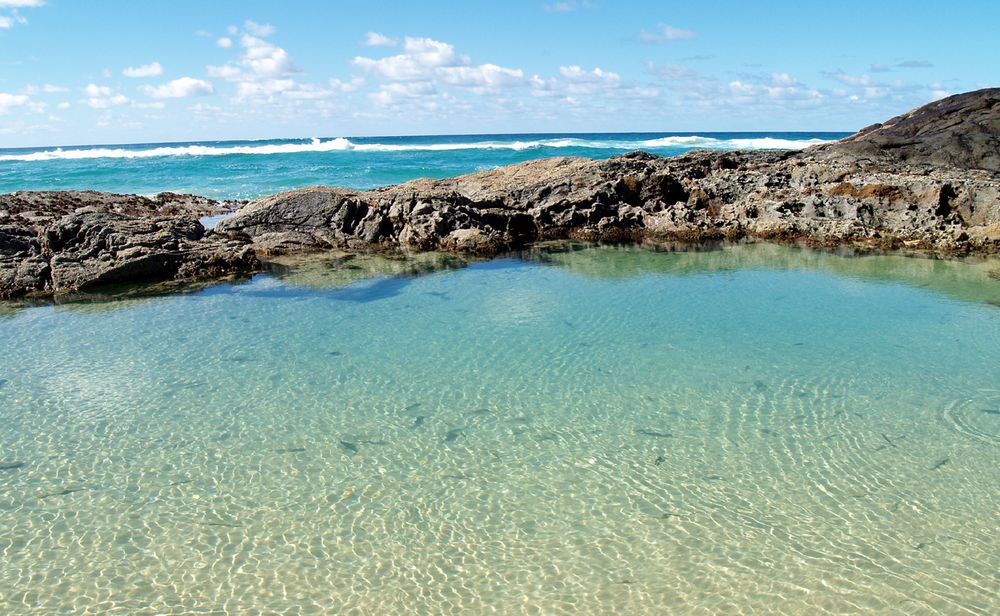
(571, 429)
(250, 169)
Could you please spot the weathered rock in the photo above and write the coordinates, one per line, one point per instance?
(698, 196)
(56, 242)
(929, 179)
(961, 131)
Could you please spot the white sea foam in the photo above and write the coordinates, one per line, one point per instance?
(341, 144)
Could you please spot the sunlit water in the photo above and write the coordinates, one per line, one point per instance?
(250, 169)
(604, 430)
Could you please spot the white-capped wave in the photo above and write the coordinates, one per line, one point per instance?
(755, 143)
(341, 144)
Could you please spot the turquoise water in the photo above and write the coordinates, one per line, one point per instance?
(752, 429)
(249, 169)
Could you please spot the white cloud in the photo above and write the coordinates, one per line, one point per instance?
(9, 21)
(347, 86)
(436, 62)
(265, 59)
(8, 101)
(226, 71)
(47, 88)
(263, 71)
(666, 33)
(391, 93)
(180, 88)
(258, 29)
(94, 90)
(102, 97)
(19, 4)
(64, 105)
(306, 91)
(224, 42)
(484, 75)
(153, 69)
(374, 39)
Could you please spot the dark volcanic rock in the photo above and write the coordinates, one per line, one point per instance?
(960, 131)
(62, 242)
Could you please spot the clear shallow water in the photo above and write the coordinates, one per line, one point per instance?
(608, 430)
(249, 169)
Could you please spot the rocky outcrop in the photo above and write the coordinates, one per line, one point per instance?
(61, 242)
(702, 195)
(960, 131)
(929, 179)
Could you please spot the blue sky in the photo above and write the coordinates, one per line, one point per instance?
(125, 71)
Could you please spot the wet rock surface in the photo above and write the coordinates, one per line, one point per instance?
(926, 180)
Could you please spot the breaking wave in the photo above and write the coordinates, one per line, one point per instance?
(341, 144)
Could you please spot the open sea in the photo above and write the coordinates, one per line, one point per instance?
(573, 429)
(250, 169)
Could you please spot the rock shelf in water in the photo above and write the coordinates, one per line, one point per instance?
(928, 180)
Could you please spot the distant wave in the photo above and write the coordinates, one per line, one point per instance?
(344, 145)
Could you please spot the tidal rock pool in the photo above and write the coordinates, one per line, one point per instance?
(573, 430)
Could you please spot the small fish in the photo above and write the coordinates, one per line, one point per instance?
(453, 434)
(760, 385)
(419, 421)
(3, 382)
(290, 450)
(10, 466)
(412, 407)
(887, 440)
(480, 412)
(177, 483)
(671, 514)
(334, 353)
(987, 411)
(349, 447)
(714, 478)
(63, 492)
(659, 460)
(940, 463)
(645, 432)
(220, 524)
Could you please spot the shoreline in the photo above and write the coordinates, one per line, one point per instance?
(926, 181)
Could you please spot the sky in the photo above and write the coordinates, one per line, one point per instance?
(125, 71)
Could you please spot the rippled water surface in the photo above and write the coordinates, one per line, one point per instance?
(593, 430)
